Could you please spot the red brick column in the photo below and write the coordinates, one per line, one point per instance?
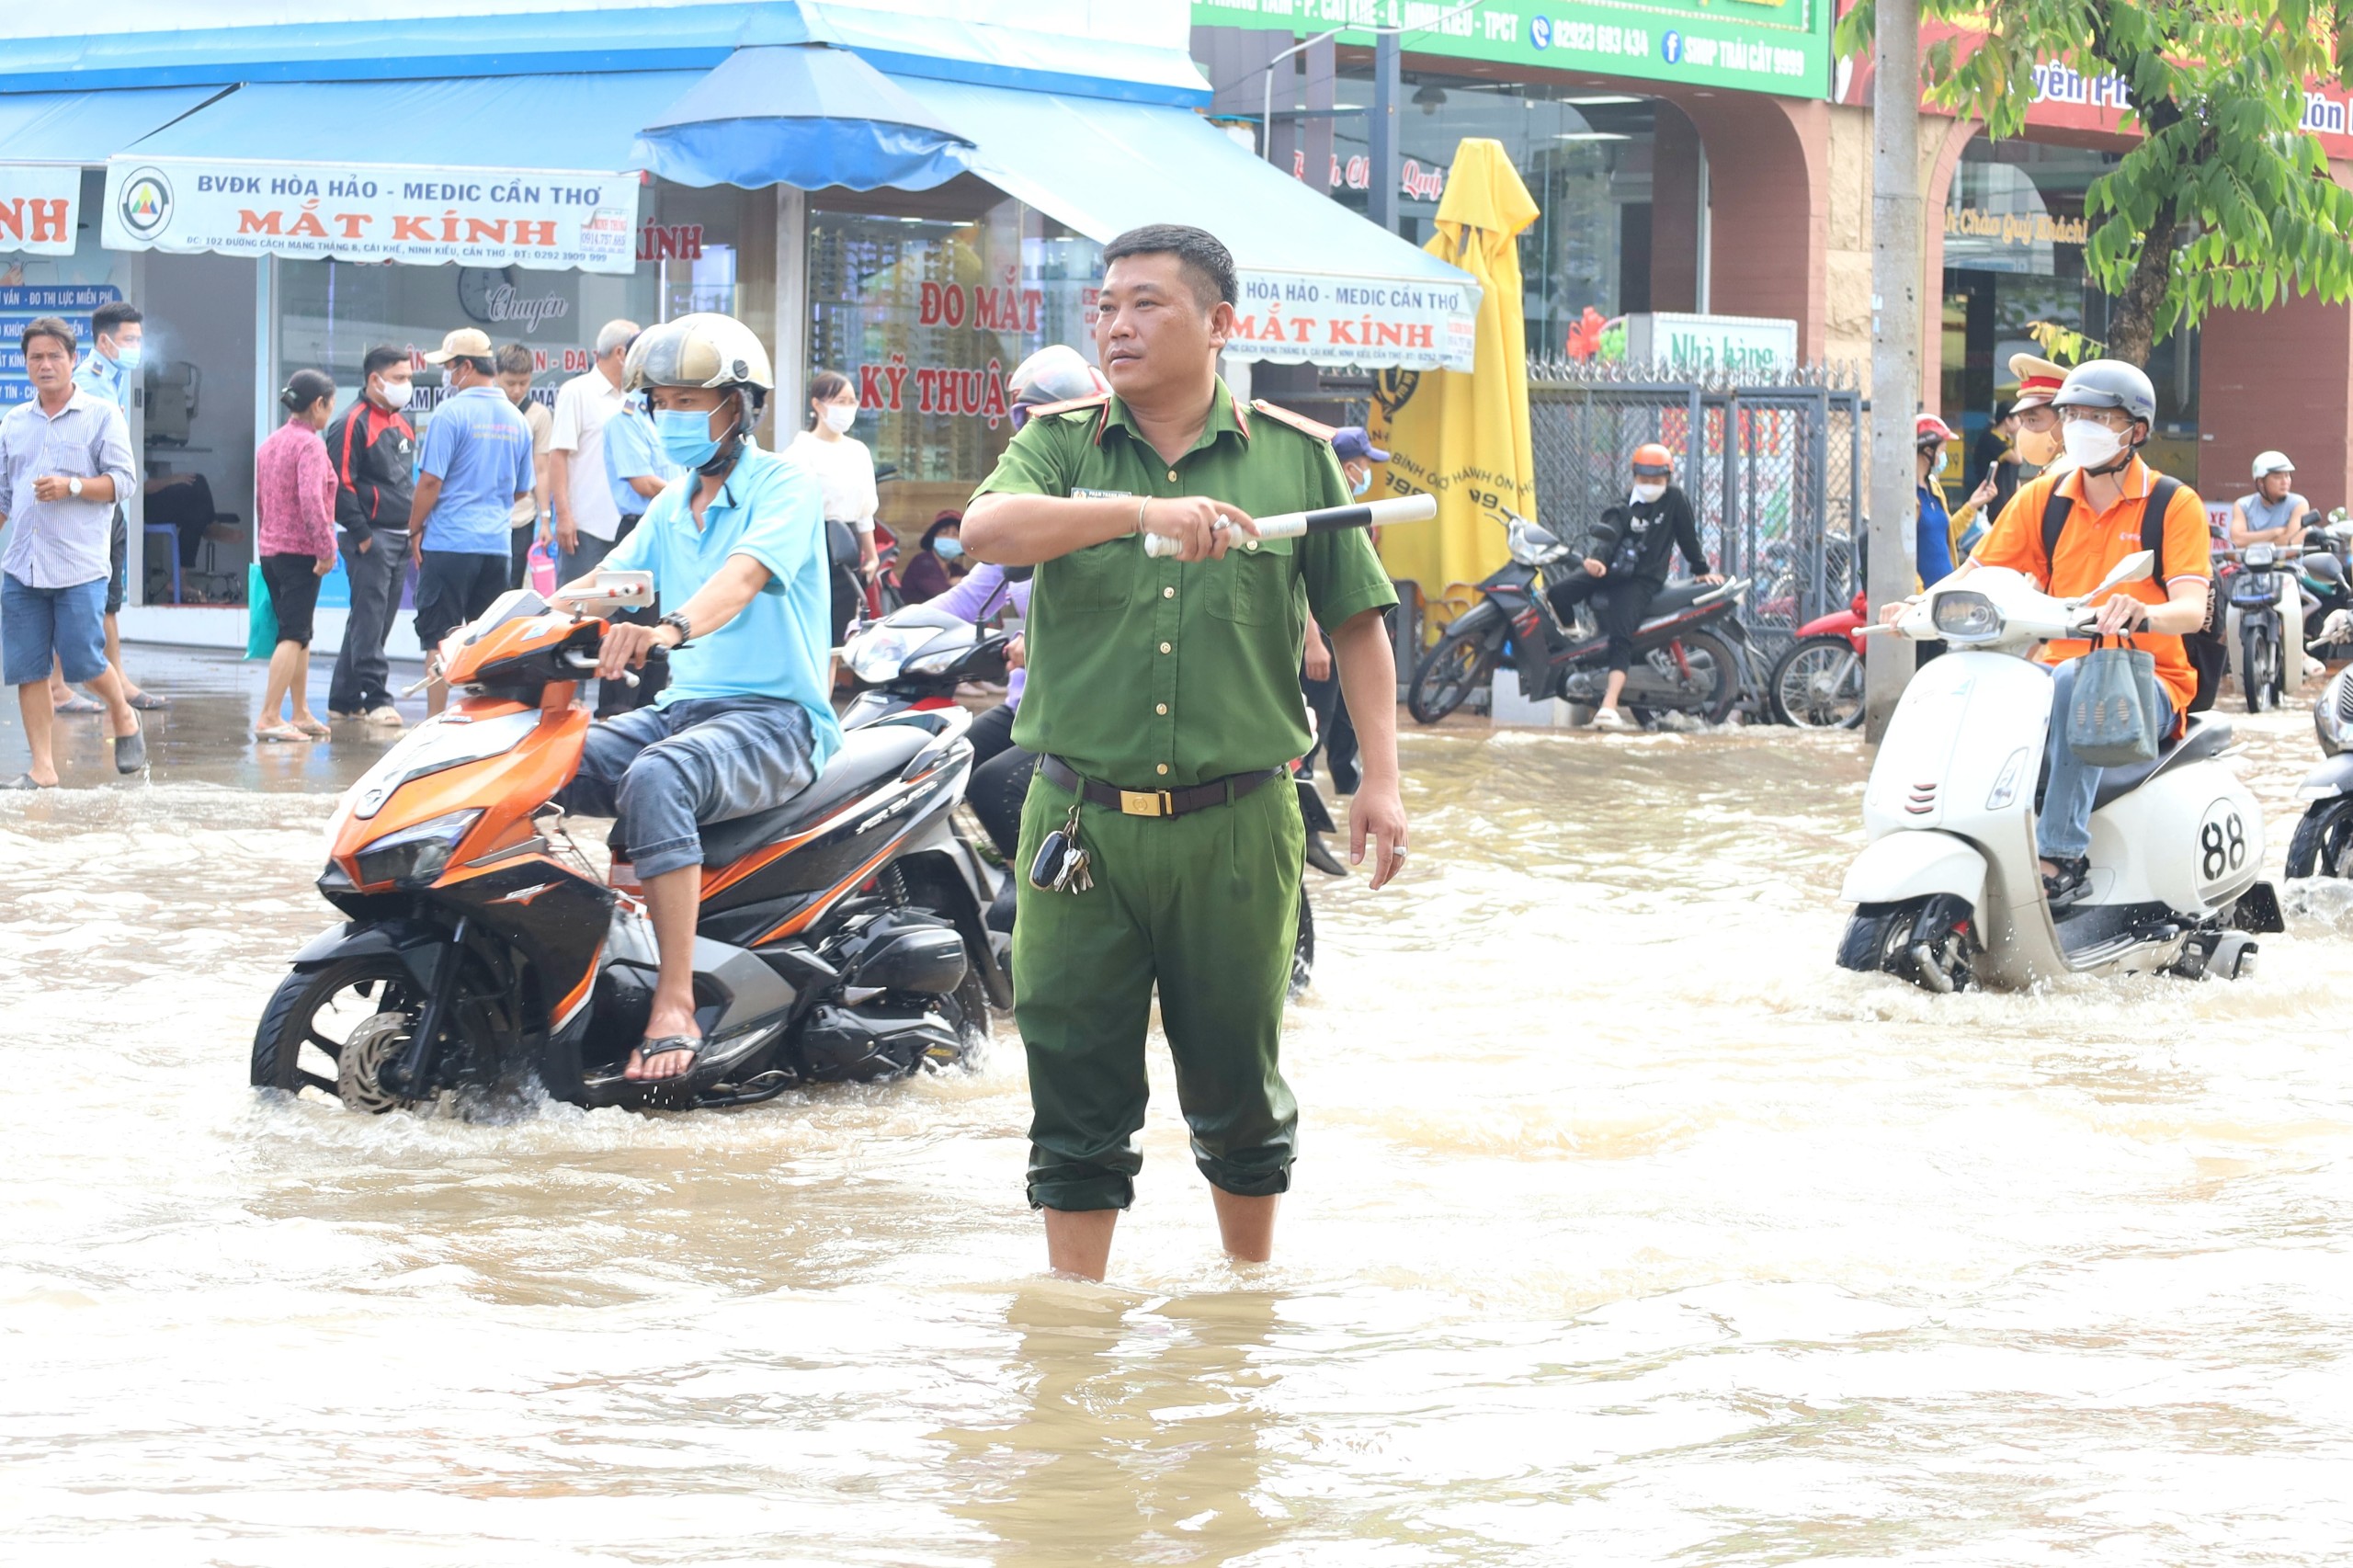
(1769, 162)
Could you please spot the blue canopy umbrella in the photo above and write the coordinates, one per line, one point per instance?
(802, 115)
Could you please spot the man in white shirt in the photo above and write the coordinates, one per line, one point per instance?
(586, 523)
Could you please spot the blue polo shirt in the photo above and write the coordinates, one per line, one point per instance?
(480, 448)
(780, 646)
(101, 377)
(632, 451)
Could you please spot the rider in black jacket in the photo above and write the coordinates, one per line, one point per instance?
(1655, 523)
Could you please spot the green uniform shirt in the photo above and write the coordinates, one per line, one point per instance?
(1150, 673)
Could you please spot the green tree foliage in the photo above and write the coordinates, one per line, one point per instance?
(2226, 202)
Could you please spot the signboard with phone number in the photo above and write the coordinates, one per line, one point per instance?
(1765, 46)
(75, 301)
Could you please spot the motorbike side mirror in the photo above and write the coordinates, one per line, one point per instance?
(2137, 567)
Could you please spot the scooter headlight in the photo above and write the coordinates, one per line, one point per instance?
(1965, 617)
(875, 656)
(415, 856)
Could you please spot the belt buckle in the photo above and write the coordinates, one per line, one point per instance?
(1147, 803)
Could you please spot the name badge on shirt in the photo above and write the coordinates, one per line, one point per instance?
(1102, 495)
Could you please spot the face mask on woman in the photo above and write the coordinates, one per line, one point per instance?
(947, 547)
(840, 417)
(2091, 444)
(685, 435)
(1646, 494)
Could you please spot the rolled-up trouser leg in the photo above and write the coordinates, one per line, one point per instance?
(1207, 903)
(721, 759)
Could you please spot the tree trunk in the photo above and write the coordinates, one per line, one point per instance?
(2131, 330)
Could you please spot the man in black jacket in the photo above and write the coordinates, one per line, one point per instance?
(374, 451)
(1657, 521)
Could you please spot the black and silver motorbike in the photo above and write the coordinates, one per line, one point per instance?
(1689, 653)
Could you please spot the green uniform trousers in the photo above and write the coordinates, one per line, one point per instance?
(1206, 904)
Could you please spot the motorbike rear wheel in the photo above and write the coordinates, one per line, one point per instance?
(1445, 676)
(2322, 845)
(317, 1015)
(1713, 690)
(1818, 685)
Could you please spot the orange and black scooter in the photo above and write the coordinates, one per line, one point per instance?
(842, 934)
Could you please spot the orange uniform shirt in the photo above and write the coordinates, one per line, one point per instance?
(2091, 542)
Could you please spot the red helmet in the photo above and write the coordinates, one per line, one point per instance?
(1929, 429)
(1653, 461)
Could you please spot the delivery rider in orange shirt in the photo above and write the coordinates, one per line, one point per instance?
(2106, 410)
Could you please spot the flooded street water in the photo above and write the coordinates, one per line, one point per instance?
(1626, 1229)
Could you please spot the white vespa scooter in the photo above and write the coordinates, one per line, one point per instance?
(1948, 893)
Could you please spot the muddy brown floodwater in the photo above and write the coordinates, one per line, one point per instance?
(1627, 1229)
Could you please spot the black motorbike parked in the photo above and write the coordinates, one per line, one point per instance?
(1688, 652)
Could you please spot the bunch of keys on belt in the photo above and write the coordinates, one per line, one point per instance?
(1062, 862)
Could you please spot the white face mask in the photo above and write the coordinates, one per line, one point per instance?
(2091, 444)
(840, 417)
(397, 393)
(1649, 493)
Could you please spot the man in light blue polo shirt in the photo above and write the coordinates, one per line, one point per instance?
(476, 466)
(738, 558)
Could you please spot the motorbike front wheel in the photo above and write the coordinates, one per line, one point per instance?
(2322, 845)
(1881, 939)
(1446, 677)
(2257, 666)
(319, 1017)
(1818, 684)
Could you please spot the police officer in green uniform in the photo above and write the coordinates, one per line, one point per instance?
(1163, 703)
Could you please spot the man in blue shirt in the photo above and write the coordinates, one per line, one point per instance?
(110, 371)
(738, 558)
(477, 465)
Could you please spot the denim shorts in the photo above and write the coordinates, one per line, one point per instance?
(38, 622)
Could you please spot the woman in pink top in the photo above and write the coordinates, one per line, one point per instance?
(294, 535)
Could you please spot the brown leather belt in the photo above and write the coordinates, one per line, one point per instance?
(1154, 802)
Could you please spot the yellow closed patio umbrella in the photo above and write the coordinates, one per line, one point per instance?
(1460, 436)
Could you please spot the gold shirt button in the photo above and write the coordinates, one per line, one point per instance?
(1167, 648)
(1167, 593)
(1172, 479)
(1163, 768)
(1250, 544)
(1161, 708)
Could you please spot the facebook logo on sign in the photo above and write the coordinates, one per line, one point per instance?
(1539, 32)
(1670, 48)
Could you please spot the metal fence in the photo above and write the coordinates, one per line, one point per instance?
(1774, 471)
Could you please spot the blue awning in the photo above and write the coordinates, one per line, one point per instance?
(800, 115)
(1321, 285)
(87, 128)
(563, 123)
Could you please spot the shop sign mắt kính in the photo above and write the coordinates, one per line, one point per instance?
(1297, 319)
(39, 205)
(492, 218)
(1763, 46)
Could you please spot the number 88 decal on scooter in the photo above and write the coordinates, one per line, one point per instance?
(1948, 893)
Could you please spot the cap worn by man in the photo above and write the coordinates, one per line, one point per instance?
(465, 343)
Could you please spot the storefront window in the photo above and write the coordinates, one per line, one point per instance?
(1585, 155)
(927, 312)
(2014, 257)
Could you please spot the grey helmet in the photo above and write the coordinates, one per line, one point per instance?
(2110, 383)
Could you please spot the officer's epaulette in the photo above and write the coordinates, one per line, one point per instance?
(1070, 405)
(1299, 422)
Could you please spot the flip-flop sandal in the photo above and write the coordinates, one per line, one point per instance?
(79, 705)
(317, 732)
(647, 1050)
(148, 702)
(130, 752)
(280, 734)
(24, 781)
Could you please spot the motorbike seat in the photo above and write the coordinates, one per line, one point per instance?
(2206, 736)
(867, 757)
(1676, 596)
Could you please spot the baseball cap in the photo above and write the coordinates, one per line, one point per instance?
(467, 342)
(1350, 442)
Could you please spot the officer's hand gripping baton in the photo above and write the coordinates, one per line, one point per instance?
(1330, 519)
